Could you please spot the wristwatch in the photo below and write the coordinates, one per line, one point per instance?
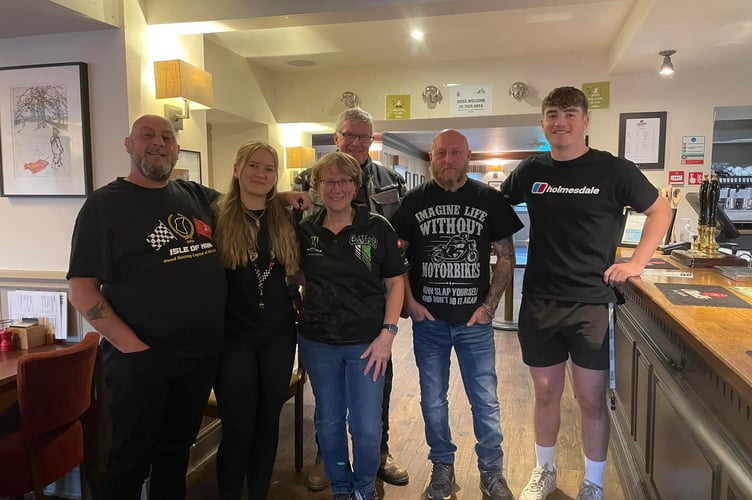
(390, 327)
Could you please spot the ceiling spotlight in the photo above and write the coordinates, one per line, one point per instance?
(667, 68)
(417, 35)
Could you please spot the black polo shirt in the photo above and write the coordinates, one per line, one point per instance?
(344, 300)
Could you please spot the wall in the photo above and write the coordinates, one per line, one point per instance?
(226, 139)
(688, 97)
(36, 232)
(121, 88)
(146, 44)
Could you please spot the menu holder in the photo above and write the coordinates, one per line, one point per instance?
(736, 273)
(692, 259)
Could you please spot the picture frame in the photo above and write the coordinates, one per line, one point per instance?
(45, 132)
(642, 138)
(632, 225)
(190, 161)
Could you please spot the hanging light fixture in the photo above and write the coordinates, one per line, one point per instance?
(667, 68)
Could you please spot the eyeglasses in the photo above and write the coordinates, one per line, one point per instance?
(351, 137)
(342, 183)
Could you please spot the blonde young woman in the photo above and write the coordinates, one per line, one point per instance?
(256, 240)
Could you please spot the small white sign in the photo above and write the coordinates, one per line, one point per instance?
(693, 150)
(471, 100)
(50, 307)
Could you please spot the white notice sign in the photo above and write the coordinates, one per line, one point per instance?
(50, 307)
(471, 100)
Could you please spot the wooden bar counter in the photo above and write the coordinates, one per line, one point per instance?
(682, 428)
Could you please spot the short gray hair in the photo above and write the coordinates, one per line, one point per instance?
(355, 114)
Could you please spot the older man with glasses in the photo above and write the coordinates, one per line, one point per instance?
(381, 191)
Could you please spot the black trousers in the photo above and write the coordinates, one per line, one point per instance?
(157, 402)
(252, 386)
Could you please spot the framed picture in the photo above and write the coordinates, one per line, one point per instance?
(631, 231)
(642, 138)
(190, 161)
(495, 184)
(45, 141)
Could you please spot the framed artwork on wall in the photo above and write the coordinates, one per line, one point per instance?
(45, 138)
(642, 139)
(190, 161)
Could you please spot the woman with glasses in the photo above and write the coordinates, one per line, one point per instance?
(256, 240)
(353, 267)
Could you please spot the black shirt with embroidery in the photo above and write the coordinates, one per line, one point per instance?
(344, 300)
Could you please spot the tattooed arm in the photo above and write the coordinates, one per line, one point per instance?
(88, 300)
(500, 275)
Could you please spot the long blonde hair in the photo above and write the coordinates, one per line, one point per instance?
(235, 235)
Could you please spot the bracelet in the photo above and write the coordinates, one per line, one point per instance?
(487, 310)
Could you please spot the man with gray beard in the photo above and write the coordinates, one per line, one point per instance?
(145, 273)
(450, 225)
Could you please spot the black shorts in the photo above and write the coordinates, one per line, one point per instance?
(550, 331)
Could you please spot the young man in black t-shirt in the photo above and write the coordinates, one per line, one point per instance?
(575, 198)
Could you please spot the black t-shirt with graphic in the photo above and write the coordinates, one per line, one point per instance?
(450, 236)
(153, 253)
(575, 210)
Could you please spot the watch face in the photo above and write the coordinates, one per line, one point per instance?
(392, 328)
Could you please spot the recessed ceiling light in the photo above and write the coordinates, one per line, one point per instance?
(301, 63)
(417, 35)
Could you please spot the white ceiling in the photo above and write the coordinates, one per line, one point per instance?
(334, 34)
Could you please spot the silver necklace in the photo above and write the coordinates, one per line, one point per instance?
(254, 217)
(261, 276)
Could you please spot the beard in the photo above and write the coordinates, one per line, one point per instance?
(154, 168)
(449, 179)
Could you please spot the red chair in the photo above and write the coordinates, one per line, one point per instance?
(41, 437)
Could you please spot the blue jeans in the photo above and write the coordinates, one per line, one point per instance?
(475, 349)
(345, 396)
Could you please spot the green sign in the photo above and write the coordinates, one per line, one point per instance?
(398, 107)
(598, 94)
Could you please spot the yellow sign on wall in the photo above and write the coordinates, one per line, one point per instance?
(398, 107)
(598, 94)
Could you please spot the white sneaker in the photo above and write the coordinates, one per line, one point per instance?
(590, 491)
(542, 483)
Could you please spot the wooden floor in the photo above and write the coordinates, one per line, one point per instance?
(408, 444)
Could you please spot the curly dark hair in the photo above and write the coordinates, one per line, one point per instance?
(565, 97)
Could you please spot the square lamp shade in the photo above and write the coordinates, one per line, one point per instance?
(299, 157)
(176, 78)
